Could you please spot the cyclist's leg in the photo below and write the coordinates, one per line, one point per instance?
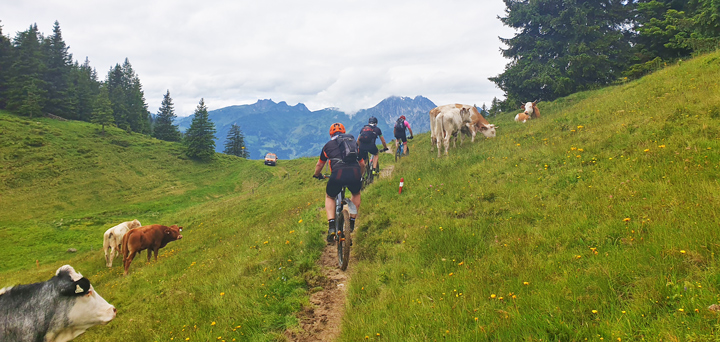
(374, 155)
(334, 186)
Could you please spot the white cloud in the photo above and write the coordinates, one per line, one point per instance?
(324, 53)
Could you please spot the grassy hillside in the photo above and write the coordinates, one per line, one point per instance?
(241, 271)
(598, 221)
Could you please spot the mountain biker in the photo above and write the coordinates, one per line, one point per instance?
(399, 131)
(366, 141)
(342, 173)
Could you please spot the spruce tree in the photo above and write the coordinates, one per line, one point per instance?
(31, 104)
(164, 128)
(562, 47)
(87, 87)
(25, 73)
(102, 113)
(235, 143)
(5, 62)
(60, 92)
(200, 137)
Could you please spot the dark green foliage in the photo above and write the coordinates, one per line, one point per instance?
(127, 99)
(87, 87)
(200, 137)
(5, 62)
(102, 113)
(562, 47)
(164, 128)
(235, 143)
(60, 90)
(26, 71)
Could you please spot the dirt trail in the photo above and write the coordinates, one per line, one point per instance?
(321, 321)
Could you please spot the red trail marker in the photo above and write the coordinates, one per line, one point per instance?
(401, 185)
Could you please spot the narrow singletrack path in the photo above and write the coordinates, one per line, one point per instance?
(321, 321)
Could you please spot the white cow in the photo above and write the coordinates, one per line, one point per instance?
(57, 310)
(477, 122)
(112, 240)
(450, 122)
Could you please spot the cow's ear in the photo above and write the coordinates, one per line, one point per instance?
(76, 288)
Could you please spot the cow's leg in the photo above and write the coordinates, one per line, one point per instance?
(156, 252)
(447, 142)
(149, 253)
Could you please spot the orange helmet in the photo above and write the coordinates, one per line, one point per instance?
(337, 128)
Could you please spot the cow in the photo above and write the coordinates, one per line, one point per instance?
(532, 110)
(448, 123)
(477, 122)
(522, 117)
(56, 310)
(152, 238)
(112, 240)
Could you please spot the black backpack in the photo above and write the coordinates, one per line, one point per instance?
(367, 135)
(348, 149)
(400, 126)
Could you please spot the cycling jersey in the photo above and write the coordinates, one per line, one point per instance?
(342, 174)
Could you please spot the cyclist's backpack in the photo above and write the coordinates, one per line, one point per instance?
(348, 148)
(400, 126)
(367, 135)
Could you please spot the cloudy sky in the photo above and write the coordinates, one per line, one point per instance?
(323, 53)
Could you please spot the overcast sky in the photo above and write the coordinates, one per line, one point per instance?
(323, 53)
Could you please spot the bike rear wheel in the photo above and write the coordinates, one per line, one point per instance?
(344, 240)
(398, 152)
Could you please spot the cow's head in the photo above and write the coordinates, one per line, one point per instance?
(88, 307)
(134, 224)
(487, 130)
(172, 233)
(529, 108)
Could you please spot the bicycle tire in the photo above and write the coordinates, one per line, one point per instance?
(344, 242)
(398, 153)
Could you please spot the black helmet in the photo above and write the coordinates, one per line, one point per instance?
(372, 120)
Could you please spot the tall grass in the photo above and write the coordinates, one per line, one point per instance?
(598, 221)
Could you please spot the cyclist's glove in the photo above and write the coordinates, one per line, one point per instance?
(385, 149)
(410, 137)
(318, 177)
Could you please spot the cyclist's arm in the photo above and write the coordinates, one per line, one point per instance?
(411, 133)
(384, 143)
(318, 167)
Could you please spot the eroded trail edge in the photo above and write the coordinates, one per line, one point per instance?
(322, 320)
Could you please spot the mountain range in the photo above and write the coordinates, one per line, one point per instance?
(295, 131)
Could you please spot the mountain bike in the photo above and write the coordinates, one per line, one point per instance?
(399, 151)
(343, 237)
(368, 175)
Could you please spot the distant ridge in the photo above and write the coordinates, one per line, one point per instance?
(295, 131)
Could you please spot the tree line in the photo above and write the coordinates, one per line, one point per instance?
(565, 46)
(38, 76)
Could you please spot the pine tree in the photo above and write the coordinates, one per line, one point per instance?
(87, 87)
(31, 103)
(562, 47)
(26, 70)
(60, 93)
(102, 113)
(235, 143)
(164, 128)
(5, 62)
(127, 98)
(200, 137)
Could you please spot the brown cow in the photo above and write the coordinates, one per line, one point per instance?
(152, 238)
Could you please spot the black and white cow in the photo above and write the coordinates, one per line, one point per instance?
(56, 310)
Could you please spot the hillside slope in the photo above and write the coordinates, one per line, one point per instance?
(597, 221)
(241, 271)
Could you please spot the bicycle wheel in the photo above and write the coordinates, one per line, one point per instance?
(367, 175)
(398, 152)
(344, 242)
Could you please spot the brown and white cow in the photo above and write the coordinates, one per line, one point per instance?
(532, 110)
(57, 310)
(477, 122)
(112, 240)
(152, 238)
(522, 117)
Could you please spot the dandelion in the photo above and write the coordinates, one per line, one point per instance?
(580, 127)
(222, 293)
(492, 296)
(526, 283)
(661, 146)
(460, 264)
(647, 150)
(266, 242)
(682, 251)
(300, 221)
(213, 323)
(449, 275)
(627, 219)
(681, 310)
(594, 311)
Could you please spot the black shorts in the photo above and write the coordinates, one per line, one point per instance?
(348, 176)
(365, 149)
(401, 137)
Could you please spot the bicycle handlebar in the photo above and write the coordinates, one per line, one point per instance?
(321, 176)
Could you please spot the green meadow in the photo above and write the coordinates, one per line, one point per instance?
(599, 221)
